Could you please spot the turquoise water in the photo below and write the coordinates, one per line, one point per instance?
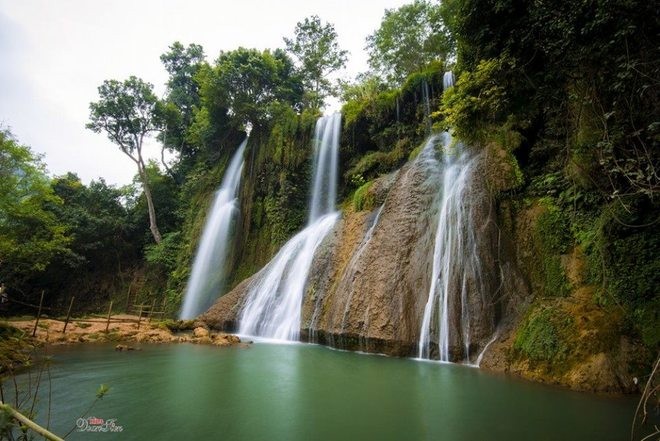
(308, 392)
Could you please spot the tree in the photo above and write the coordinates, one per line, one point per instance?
(164, 192)
(316, 48)
(408, 39)
(128, 112)
(182, 98)
(104, 242)
(30, 235)
(246, 83)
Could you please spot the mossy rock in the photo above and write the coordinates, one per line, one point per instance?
(177, 325)
(544, 335)
(363, 199)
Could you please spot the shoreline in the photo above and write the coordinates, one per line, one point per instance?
(123, 328)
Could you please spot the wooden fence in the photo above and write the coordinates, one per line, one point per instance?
(142, 311)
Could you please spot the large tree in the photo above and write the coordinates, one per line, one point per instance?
(182, 65)
(408, 39)
(128, 112)
(315, 47)
(247, 82)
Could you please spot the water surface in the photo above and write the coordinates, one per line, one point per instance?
(308, 392)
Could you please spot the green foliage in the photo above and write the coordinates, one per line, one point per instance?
(247, 83)
(553, 237)
(127, 112)
(374, 164)
(559, 63)
(626, 259)
(102, 391)
(318, 53)
(164, 254)
(31, 235)
(182, 65)
(478, 98)
(107, 239)
(408, 39)
(164, 194)
(553, 228)
(544, 335)
(362, 199)
(645, 319)
(15, 349)
(382, 126)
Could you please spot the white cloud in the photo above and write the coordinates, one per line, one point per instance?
(55, 54)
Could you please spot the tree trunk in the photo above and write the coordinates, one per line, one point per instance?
(150, 203)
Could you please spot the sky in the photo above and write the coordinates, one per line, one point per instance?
(54, 55)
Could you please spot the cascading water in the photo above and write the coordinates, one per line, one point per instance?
(273, 304)
(456, 270)
(207, 274)
(447, 80)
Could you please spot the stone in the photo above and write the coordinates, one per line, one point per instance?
(200, 332)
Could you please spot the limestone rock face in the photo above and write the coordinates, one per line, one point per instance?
(224, 312)
(372, 294)
(370, 282)
(370, 279)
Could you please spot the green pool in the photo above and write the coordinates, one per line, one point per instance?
(308, 392)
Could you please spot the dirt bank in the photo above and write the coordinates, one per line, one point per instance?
(94, 330)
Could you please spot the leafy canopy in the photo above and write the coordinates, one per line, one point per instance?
(408, 39)
(127, 112)
(30, 235)
(315, 47)
(182, 65)
(246, 83)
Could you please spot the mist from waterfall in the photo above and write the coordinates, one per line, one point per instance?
(208, 271)
(273, 305)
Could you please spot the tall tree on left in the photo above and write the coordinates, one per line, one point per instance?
(128, 112)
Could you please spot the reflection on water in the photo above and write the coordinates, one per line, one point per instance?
(307, 392)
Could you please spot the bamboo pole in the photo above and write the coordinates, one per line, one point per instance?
(107, 325)
(151, 311)
(68, 315)
(29, 423)
(41, 302)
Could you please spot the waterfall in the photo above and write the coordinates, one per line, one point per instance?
(448, 80)
(208, 270)
(427, 105)
(326, 160)
(454, 268)
(456, 271)
(274, 301)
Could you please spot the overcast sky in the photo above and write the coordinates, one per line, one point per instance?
(54, 54)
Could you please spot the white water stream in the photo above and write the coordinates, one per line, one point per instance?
(274, 301)
(208, 270)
